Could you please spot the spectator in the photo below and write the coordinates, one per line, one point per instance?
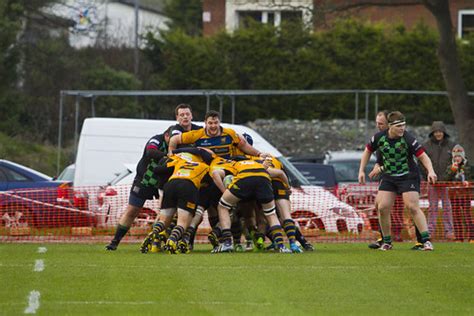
(438, 147)
(461, 195)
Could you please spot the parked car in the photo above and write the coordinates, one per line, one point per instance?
(312, 205)
(319, 174)
(346, 163)
(31, 198)
(68, 173)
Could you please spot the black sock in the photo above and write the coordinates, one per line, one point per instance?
(299, 236)
(418, 235)
(119, 233)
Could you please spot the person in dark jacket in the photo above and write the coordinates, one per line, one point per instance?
(461, 195)
(439, 147)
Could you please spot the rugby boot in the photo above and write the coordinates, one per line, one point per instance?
(417, 246)
(294, 248)
(183, 247)
(171, 246)
(377, 244)
(386, 247)
(427, 246)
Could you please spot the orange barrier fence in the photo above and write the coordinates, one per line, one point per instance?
(89, 214)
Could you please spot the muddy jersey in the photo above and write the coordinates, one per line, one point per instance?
(397, 153)
(222, 145)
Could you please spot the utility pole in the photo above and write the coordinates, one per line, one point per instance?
(135, 52)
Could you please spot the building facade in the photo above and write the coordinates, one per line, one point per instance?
(230, 15)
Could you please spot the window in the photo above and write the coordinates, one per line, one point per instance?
(274, 18)
(13, 176)
(465, 22)
(246, 17)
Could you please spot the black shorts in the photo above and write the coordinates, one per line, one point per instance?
(209, 196)
(258, 188)
(140, 193)
(406, 183)
(280, 190)
(180, 193)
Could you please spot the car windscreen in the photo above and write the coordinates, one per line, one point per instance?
(348, 170)
(295, 177)
(318, 174)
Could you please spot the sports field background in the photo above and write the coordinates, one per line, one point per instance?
(79, 279)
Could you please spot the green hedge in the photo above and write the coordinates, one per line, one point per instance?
(352, 55)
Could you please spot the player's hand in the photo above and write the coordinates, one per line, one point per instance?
(454, 167)
(361, 177)
(375, 172)
(432, 177)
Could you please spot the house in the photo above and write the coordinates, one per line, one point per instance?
(230, 15)
(108, 23)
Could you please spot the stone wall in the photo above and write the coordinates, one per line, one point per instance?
(296, 137)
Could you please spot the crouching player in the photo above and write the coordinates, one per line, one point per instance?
(251, 181)
(180, 194)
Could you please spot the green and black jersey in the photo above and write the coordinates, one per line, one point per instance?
(397, 153)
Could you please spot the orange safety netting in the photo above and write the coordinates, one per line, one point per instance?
(88, 214)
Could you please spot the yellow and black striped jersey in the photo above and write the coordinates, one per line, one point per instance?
(222, 145)
(194, 171)
(223, 164)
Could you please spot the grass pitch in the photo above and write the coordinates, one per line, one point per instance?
(79, 279)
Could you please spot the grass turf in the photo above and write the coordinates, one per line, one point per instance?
(335, 279)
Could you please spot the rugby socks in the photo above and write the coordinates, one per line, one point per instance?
(299, 236)
(236, 229)
(387, 239)
(277, 235)
(188, 234)
(120, 233)
(177, 233)
(290, 230)
(425, 236)
(158, 227)
(418, 235)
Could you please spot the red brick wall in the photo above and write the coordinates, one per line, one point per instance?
(408, 15)
(217, 10)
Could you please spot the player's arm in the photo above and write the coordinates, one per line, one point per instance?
(175, 140)
(363, 163)
(217, 175)
(248, 149)
(278, 173)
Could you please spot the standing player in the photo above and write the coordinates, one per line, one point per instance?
(400, 175)
(381, 123)
(222, 141)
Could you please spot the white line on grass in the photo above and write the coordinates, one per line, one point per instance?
(39, 265)
(42, 250)
(33, 302)
(157, 303)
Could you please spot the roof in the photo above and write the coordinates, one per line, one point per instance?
(156, 6)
